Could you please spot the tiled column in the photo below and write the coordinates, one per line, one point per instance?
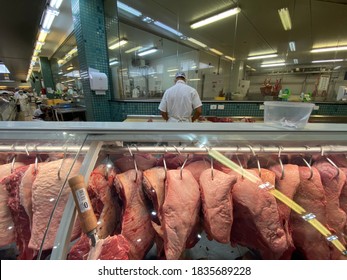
(89, 25)
(47, 73)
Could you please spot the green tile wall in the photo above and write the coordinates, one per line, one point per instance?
(46, 73)
(120, 109)
(89, 28)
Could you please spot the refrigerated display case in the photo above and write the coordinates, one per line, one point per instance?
(247, 153)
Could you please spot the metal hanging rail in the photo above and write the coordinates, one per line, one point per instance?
(257, 149)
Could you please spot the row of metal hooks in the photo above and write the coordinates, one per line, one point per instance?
(280, 149)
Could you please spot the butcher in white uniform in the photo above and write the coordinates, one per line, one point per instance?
(180, 103)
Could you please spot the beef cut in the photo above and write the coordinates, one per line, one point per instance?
(20, 217)
(180, 212)
(45, 190)
(217, 204)
(143, 162)
(311, 196)
(103, 198)
(257, 223)
(343, 197)
(114, 247)
(136, 220)
(7, 231)
(197, 167)
(288, 186)
(333, 182)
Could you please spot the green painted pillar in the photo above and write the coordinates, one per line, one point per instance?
(89, 25)
(46, 72)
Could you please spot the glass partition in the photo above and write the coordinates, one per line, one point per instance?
(148, 42)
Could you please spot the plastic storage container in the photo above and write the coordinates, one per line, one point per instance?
(287, 114)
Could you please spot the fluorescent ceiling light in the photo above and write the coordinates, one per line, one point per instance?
(128, 9)
(197, 79)
(327, 60)
(147, 19)
(70, 67)
(292, 46)
(167, 28)
(262, 56)
(229, 57)
(285, 18)
(196, 42)
(216, 51)
(172, 70)
(332, 49)
(273, 65)
(149, 51)
(118, 44)
(55, 3)
(43, 34)
(133, 49)
(214, 18)
(48, 18)
(3, 68)
(337, 67)
(114, 62)
(274, 61)
(296, 61)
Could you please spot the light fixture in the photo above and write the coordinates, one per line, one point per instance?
(173, 70)
(273, 65)
(215, 18)
(196, 42)
(229, 57)
(114, 62)
(149, 51)
(55, 3)
(118, 44)
(216, 51)
(147, 19)
(296, 61)
(49, 16)
(292, 46)
(43, 34)
(167, 28)
(327, 60)
(274, 61)
(128, 9)
(337, 67)
(69, 68)
(285, 18)
(262, 56)
(197, 79)
(133, 49)
(332, 49)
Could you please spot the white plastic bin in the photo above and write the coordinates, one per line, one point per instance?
(287, 114)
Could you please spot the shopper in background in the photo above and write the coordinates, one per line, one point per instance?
(22, 102)
(180, 103)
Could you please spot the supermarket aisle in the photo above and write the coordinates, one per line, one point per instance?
(26, 115)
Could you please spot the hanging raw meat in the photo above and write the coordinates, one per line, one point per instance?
(343, 197)
(180, 212)
(288, 186)
(20, 217)
(7, 231)
(197, 167)
(143, 161)
(311, 196)
(333, 181)
(257, 222)
(217, 205)
(136, 220)
(103, 198)
(172, 161)
(45, 191)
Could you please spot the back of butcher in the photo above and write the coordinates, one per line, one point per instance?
(180, 211)
(311, 196)
(136, 220)
(257, 222)
(217, 204)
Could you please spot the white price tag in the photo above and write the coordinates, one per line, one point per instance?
(82, 198)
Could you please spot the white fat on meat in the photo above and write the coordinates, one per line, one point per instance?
(217, 204)
(180, 211)
(45, 191)
(7, 231)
